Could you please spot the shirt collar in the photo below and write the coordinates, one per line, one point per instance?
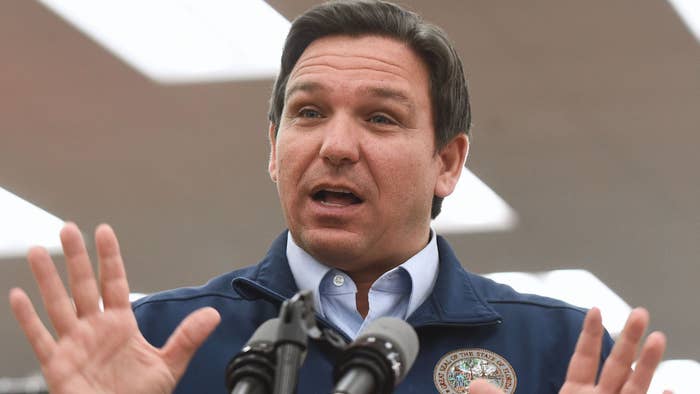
(455, 299)
(307, 271)
(422, 269)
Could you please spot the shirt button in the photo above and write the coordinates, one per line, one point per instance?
(338, 280)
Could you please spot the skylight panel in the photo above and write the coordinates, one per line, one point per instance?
(474, 207)
(23, 225)
(575, 286)
(184, 41)
(689, 11)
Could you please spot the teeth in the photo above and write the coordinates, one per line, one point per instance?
(338, 191)
(330, 204)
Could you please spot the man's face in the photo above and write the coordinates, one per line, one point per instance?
(354, 158)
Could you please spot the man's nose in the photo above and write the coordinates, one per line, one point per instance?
(341, 142)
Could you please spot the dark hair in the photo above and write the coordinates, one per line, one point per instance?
(448, 86)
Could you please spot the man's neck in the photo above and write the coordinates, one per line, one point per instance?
(362, 279)
(362, 297)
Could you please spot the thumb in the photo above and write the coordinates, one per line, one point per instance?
(187, 338)
(481, 386)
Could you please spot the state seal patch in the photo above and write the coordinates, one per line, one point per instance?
(456, 370)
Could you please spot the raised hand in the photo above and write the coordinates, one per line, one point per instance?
(96, 351)
(617, 375)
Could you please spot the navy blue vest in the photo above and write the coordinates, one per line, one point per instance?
(467, 322)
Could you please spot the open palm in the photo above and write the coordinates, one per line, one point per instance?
(100, 351)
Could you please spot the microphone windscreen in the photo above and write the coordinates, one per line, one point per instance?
(399, 333)
(266, 333)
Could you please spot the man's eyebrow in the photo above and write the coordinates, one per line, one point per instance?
(308, 87)
(393, 94)
(380, 92)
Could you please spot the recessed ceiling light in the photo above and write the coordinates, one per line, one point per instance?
(183, 41)
(24, 225)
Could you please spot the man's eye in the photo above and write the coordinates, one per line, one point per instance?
(309, 113)
(381, 119)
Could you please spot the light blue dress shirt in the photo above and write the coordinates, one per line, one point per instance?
(397, 293)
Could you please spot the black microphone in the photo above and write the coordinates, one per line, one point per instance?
(378, 359)
(252, 370)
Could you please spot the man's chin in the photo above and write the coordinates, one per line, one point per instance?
(331, 246)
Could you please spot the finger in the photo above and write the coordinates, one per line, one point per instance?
(583, 366)
(481, 386)
(649, 359)
(113, 283)
(56, 301)
(39, 337)
(80, 275)
(188, 337)
(618, 365)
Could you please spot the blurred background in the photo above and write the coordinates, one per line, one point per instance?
(585, 139)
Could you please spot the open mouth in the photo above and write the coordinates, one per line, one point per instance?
(336, 198)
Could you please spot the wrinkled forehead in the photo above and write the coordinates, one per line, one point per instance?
(375, 59)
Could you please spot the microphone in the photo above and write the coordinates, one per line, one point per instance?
(252, 370)
(378, 359)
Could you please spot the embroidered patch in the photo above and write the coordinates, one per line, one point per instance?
(456, 370)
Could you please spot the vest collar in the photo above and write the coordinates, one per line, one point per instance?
(272, 279)
(454, 300)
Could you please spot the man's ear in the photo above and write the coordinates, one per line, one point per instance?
(452, 157)
(272, 164)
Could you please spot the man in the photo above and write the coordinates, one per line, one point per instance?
(369, 121)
